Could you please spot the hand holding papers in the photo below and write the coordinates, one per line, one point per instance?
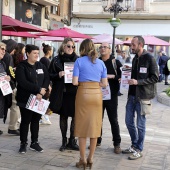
(38, 106)
(106, 93)
(126, 75)
(4, 84)
(68, 69)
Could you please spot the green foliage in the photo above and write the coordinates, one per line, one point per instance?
(167, 91)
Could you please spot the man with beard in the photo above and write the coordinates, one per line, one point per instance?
(142, 88)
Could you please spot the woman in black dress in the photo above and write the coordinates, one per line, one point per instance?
(62, 98)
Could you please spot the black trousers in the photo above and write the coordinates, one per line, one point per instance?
(31, 118)
(111, 108)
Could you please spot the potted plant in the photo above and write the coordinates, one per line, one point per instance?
(167, 91)
(115, 22)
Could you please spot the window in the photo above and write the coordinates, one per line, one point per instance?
(140, 5)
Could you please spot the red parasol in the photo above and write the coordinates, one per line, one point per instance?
(64, 32)
(19, 34)
(150, 40)
(10, 24)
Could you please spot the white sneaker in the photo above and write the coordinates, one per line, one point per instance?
(45, 120)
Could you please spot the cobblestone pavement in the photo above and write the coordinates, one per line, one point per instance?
(156, 154)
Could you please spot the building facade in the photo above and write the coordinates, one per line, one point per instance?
(144, 17)
(47, 14)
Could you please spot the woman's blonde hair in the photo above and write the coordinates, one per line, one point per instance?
(61, 48)
(87, 48)
(2, 44)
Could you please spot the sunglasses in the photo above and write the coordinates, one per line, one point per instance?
(69, 46)
(103, 47)
(3, 49)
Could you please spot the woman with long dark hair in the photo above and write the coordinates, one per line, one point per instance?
(18, 54)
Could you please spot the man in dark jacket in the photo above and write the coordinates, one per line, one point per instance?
(113, 75)
(142, 87)
(14, 109)
(162, 62)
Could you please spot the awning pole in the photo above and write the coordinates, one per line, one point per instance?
(1, 3)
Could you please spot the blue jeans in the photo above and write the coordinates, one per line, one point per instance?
(161, 70)
(137, 133)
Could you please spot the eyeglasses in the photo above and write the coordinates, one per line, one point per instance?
(3, 49)
(69, 46)
(103, 47)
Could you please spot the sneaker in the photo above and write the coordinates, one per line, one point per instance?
(131, 149)
(23, 148)
(36, 147)
(166, 83)
(14, 132)
(117, 149)
(135, 155)
(45, 120)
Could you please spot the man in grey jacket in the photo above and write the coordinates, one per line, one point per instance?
(142, 86)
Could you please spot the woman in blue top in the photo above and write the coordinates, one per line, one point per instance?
(90, 75)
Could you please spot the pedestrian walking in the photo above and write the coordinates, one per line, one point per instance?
(32, 78)
(62, 98)
(142, 88)
(113, 75)
(162, 62)
(90, 75)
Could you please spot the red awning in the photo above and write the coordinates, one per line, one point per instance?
(19, 34)
(150, 40)
(11, 24)
(64, 32)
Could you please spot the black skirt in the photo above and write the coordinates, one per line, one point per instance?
(68, 105)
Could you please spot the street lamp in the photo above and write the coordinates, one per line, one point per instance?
(115, 8)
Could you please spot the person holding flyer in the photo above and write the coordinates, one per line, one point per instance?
(32, 79)
(113, 75)
(62, 98)
(3, 76)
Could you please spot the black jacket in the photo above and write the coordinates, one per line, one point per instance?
(30, 79)
(146, 88)
(113, 83)
(8, 98)
(58, 86)
(8, 60)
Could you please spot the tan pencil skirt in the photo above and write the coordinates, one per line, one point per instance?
(88, 110)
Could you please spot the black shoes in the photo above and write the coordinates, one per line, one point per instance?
(1, 132)
(166, 83)
(14, 132)
(72, 144)
(120, 94)
(64, 144)
(36, 147)
(23, 148)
